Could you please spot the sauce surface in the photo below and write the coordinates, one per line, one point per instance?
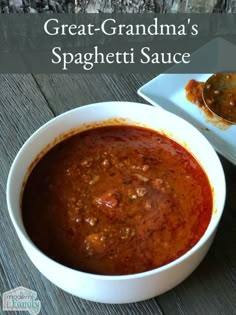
(116, 200)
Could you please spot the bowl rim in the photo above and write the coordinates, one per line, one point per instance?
(22, 233)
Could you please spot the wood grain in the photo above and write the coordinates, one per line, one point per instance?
(84, 89)
(26, 102)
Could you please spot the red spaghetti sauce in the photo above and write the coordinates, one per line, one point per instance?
(116, 200)
(194, 92)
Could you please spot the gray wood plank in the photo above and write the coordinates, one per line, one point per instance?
(22, 110)
(67, 91)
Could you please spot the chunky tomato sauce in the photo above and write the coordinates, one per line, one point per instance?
(194, 92)
(116, 200)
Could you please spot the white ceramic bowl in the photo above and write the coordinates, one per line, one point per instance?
(129, 288)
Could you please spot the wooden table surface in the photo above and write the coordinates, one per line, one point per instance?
(27, 102)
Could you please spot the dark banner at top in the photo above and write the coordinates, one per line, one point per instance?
(109, 43)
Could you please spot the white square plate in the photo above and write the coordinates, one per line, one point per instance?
(168, 91)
